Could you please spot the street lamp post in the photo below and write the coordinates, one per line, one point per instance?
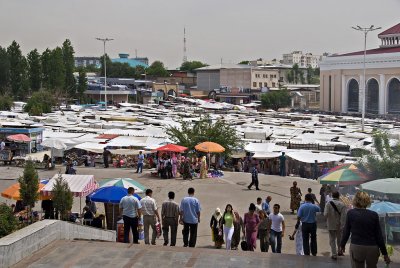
(104, 40)
(365, 30)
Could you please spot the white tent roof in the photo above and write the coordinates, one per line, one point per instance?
(80, 185)
(263, 147)
(310, 157)
(91, 147)
(266, 155)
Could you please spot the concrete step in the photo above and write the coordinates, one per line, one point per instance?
(63, 253)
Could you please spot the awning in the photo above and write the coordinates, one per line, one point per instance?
(310, 157)
(91, 147)
(266, 155)
(80, 185)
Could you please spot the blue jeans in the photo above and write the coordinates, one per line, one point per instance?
(276, 241)
(139, 168)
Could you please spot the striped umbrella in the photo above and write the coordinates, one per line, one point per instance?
(344, 177)
(344, 166)
(124, 182)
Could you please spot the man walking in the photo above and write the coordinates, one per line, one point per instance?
(335, 213)
(140, 162)
(190, 218)
(106, 154)
(277, 229)
(150, 212)
(130, 209)
(170, 218)
(307, 215)
(254, 178)
(266, 206)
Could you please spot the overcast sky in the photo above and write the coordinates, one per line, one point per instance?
(233, 30)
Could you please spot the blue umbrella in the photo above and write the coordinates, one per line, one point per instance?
(110, 194)
(383, 208)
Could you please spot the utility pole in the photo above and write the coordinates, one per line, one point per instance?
(104, 40)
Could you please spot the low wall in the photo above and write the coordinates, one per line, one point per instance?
(26, 241)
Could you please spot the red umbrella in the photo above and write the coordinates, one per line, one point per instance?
(172, 148)
(19, 138)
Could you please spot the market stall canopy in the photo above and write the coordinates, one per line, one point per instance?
(80, 185)
(127, 151)
(389, 187)
(13, 192)
(19, 138)
(383, 208)
(110, 194)
(263, 147)
(171, 148)
(54, 143)
(91, 147)
(266, 155)
(124, 182)
(310, 157)
(209, 147)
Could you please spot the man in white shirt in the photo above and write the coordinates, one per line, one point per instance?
(150, 212)
(130, 209)
(277, 229)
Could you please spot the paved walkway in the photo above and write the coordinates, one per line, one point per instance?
(107, 254)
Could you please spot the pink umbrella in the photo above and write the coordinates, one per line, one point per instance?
(19, 138)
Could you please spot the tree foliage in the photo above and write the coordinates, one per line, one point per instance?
(296, 75)
(276, 99)
(82, 85)
(4, 71)
(244, 62)
(16, 69)
(190, 66)
(157, 69)
(8, 222)
(40, 102)
(29, 185)
(69, 66)
(190, 134)
(385, 162)
(34, 70)
(62, 197)
(6, 103)
(57, 71)
(312, 76)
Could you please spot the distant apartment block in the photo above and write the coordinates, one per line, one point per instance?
(303, 60)
(87, 61)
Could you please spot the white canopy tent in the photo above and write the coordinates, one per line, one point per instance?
(263, 147)
(310, 157)
(91, 147)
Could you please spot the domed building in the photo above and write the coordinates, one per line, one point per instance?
(342, 77)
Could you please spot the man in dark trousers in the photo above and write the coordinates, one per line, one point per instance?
(106, 154)
(307, 215)
(254, 178)
(170, 218)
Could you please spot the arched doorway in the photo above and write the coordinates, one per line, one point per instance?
(171, 92)
(372, 97)
(352, 97)
(394, 96)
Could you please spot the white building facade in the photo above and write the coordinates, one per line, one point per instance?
(342, 79)
(303, 60)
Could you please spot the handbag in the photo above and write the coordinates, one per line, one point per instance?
(243, 245)
(158, 229)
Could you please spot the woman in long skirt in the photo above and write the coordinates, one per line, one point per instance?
(251, 221)
(215, 224)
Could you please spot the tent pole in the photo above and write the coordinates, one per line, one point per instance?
(113, 221)
(80, 205)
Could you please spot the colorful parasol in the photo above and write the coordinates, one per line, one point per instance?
(12, 192)
(344, 177)
(110, 194)
(344, 166)
(172, 148)
(209, 147)
(123, 182)
(19, 138)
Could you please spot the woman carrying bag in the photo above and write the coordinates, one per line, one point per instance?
(215, 224)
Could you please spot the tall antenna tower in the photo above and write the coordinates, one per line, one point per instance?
(184, 45)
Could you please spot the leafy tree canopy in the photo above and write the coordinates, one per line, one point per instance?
(29, 184)
(62, 197)
(245, 62)
(276, 99)
(385, 161)
(40, 102)
(190, 66)
(6, 103)
(8, 222)
(191, 134)
(157, 69)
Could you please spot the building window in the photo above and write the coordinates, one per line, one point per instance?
(265, 84)
(260, 84)
(273, 84)
(254, 84)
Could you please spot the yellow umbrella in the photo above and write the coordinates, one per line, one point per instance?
(209, 147)
(12, 192)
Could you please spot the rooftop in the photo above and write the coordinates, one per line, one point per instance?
(382, 50)
(392, 30)
(124, 58)
(224, 66)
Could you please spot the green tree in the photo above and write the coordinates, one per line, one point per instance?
(34, 70)
(190, 134)
(82, 85)
(276, 99)
(385, 161)
(8, 222)
(157, 69)
(69, 65)
(40, 102)
(46, 68)
(190, 66)
(4, 71)
(62, 197)
(16, 69)
(29, 185)
(57, 70)
(244, 62)
(109, 66)
(6, 103)
(140, 72)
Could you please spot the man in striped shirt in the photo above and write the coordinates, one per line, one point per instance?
(150, 212)
(170, 218)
